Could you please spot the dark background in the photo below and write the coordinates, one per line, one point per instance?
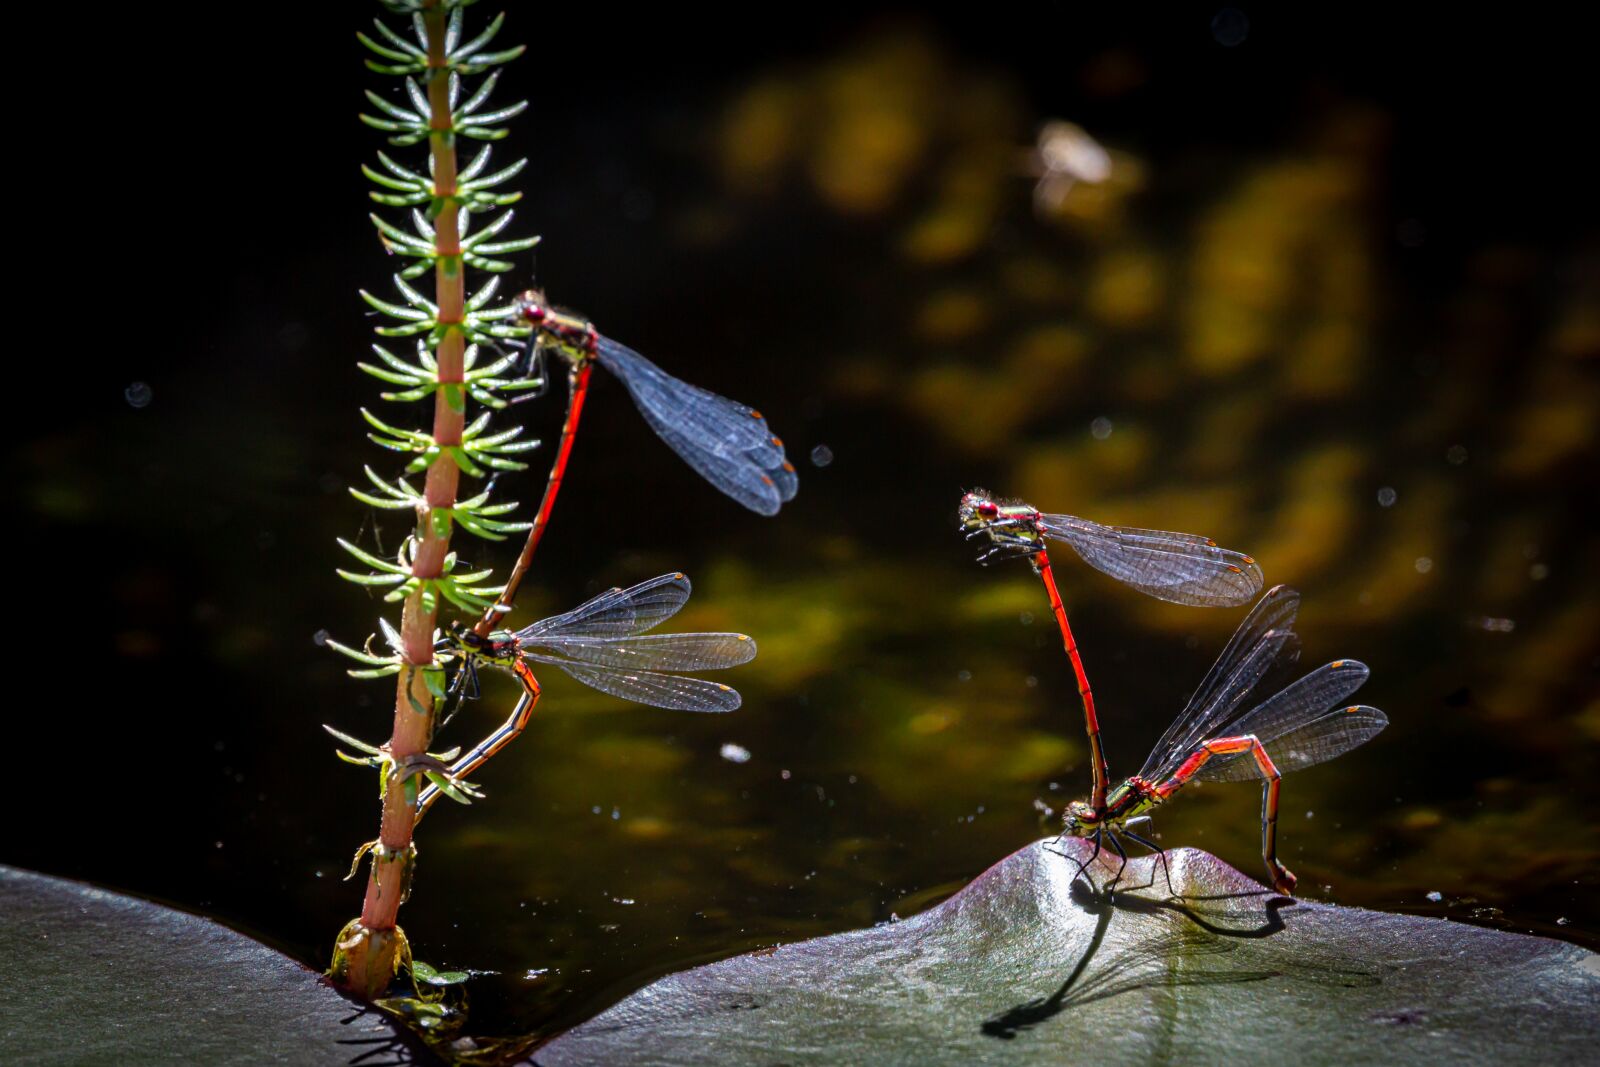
(820, 215)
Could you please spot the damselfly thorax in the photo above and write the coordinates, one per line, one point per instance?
(1014, 526)
(499, 647)
(570, 336)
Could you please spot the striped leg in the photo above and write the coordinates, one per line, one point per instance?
(1282, 879)
(1083, 865)
(1160, 853)
(485, 750)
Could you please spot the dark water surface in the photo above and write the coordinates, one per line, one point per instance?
(1337, 308)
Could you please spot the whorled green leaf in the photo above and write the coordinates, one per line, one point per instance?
(387, 566)
(424, 973)
(358, 745)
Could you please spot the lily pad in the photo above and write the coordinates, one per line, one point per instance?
(96, 977)
(1023, 966)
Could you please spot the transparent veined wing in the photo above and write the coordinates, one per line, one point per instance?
(1177, 567)
(617, 612)
(652, 652)
(727, 443)
(1265, 637)
(1333, 733)
(1300, 725)
(762, 491)
(676, 691)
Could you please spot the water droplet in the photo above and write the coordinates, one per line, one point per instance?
(1100, 428)
(1455, 455)
(1539, 572)
(320, 638)
(1229, 27)
(138, 395)
(965, 676)
(821, 456)
(1424, 564)
(1387, 496)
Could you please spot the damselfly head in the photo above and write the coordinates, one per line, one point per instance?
(977, 510)
(531, 307)
(1081, 819)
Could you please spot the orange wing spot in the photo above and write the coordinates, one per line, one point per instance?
(677, 574)
(1352, 707)
(1234, 569)
(1336, 664)
(725, 688)
(788, 467)
(777, 442)
(754, 414)
(1247, 559)
(744, 637)
(765, 480)
(1211, 543)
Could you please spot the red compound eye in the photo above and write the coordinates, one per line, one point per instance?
(988, 509)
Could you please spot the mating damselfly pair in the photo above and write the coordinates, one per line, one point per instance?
(1219, 735)
(603, 642)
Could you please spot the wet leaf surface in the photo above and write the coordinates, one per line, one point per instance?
(1022, 967)
(96, 977)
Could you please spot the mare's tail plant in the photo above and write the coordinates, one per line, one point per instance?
(437, 351)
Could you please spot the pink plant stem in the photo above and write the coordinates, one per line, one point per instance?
(373, 959)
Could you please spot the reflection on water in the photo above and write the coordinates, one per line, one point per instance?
(1234, 345)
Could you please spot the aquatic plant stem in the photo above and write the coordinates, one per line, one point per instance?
(378, 948)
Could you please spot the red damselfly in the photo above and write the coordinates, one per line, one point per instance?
(603, 644)
(728, 444)
(1213, 740)
(1177, 567)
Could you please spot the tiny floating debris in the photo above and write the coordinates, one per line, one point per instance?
(735, 753)
(1063, 156)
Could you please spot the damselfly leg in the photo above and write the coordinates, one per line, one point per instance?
(1160, 854)
(530, 364)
